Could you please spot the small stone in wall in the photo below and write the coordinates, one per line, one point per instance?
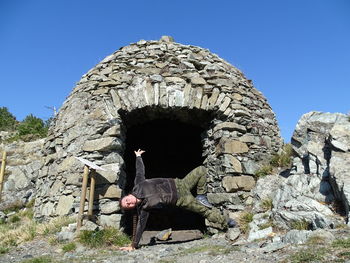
(230, 126)
(109, 207)
(110, 220)
(231, 163)
(231, 146)
(65, 204)
(109, 191)
(102, 144)
(238, 183)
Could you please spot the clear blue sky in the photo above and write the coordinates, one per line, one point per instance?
(297, 52)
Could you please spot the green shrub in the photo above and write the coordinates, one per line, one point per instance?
(105, 237)
(32, 125)
(69, 247)
(7, 120)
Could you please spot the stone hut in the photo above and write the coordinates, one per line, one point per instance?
(182, 104)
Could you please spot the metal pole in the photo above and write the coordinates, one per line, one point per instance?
(82, 197)
(92, 193)
(2, 171)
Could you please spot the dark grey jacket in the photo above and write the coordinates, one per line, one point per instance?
(154, 193)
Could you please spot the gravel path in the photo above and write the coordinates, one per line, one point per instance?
(201, 251)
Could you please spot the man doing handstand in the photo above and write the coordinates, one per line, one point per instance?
(158, 192)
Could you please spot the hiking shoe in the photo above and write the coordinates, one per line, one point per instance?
(231, 223)
(202, 199)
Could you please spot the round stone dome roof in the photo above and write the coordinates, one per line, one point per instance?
(156, 89)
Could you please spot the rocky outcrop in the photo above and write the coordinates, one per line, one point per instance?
(314, 143)
(145, 81)
(24, 160)
(314, 193)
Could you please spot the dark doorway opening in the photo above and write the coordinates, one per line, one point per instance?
(173, 149)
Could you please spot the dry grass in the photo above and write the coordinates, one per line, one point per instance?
(13, 234)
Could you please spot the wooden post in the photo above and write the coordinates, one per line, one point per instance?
(82, 197)
(92, 193)
(2, 171)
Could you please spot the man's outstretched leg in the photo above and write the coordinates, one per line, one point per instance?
(188, 202)
(197, 178)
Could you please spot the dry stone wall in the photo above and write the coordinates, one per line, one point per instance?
(152, 78)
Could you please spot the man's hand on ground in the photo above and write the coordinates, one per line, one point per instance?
(139, 152)
(129, 248)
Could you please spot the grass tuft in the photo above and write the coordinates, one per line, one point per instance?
(244, 221)
(300, 225)
(4, 250)
(14, 219)
(71, 246)
(266, 225)
(267, 204)
(341, 243)
(263, 171)
(13, 207)
(105, 237)
(316, 240)
(283, 160)
(308, 255)
(43, 259)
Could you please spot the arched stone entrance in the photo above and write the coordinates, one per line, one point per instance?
(173, 143)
